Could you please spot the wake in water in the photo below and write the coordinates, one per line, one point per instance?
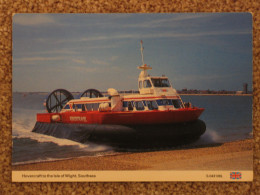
(209, 137)
(29, 147)
(212, 137)
(26, 150)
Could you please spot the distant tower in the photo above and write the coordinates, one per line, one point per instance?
(245, 88)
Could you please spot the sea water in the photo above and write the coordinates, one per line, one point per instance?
(228, 118)
(29, 147)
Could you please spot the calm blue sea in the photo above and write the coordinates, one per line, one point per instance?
(228, 118)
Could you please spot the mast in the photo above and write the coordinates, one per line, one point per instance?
(142, 49)
(144, 66)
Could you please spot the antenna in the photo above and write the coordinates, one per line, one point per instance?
(144, 67)
(141, 42)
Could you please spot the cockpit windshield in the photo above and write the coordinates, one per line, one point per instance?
(160, 82)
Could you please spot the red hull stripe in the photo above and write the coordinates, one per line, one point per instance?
(125, 118)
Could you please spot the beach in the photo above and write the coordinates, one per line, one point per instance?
(237, 155)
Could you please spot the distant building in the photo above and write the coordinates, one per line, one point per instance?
(245, 85)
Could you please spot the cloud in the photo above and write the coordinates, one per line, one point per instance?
(34, 60)
(162, 22)
(105, 62)
(100, 62)
(153, 35)
(78, 61)
(63, 51)
(38, 59)
(99, 38)
(33, 19)
(113, 58)
(199, 34)
(84, 69)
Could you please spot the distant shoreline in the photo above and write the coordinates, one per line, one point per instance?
(181, 94)
(217, 94)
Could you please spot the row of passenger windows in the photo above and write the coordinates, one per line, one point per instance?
(165, 102)
(152, 104)
(84, 107)
(138, 105)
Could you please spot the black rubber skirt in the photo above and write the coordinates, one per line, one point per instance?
(125, 135)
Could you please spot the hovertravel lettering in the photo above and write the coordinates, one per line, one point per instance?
(78, 118)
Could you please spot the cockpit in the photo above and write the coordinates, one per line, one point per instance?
(154, 82)
(160, 82)
(153, 85)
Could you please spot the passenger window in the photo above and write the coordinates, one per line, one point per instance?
(149, 105)
(124, 104)
(156, 82)
(159, 102)
(160, 82)
(152, 105)
(165, 83)
(95, 106)
(147, 84)
(83, 107)
(89, 107)
(139, 105)
(78, 106)
(130, 106)
(140, 84)
(166, 102)
(67, 106)
(176, 103)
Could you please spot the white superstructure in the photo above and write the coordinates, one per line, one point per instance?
(155, 93)
(153, 85)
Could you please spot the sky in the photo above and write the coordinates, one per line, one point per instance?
(81, 51)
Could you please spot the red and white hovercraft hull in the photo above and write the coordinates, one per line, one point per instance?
(123, 118)
(155, 115)
(161, 124)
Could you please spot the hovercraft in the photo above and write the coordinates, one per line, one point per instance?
(155, 115)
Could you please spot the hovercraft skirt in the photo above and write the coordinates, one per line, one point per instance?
(121, 135)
